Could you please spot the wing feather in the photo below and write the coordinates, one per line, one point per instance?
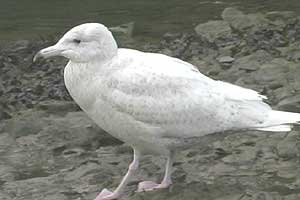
(170, 94)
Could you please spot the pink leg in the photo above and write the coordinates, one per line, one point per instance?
(166, 182)
(108, 195)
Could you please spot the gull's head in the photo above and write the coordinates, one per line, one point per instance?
(84, 43)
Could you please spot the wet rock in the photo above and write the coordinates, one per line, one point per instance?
(205, 67)
(225, 59)
(222, 169)
(213, 30)
(20, 45)
(281, 15)
(275, 70)
(126, 29)
(266, 38)
(288, 148)
(38, 188)
(124, 34)
(239, 21)
(254, 61)
(183, 46)
(243, 155)
(58, 106)
(3, 114)
(26, 123)
(7, 173)
(71, 130)
(235, 17)
(282, 93)
(264, 196)
(53, 147)
(292, 197)
(83, 170)
(291, 52)
(282, 19)
(288, 172)
(231, 197)
(291, 103)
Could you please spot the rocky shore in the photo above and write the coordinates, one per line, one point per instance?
(50, 150)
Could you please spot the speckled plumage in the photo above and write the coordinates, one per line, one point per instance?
(152, 101)
(143, 98)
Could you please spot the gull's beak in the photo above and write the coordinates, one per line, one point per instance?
(48, 52)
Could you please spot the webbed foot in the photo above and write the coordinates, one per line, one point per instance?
(150, 185)
(107, 195)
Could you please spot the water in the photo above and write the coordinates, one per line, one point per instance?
(20, 19)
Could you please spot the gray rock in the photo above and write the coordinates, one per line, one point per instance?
(292, 197)
(124, 34)
(225, 59)
(81, 171)
(227, 50)
(242, 155)
(235, 17)
(252, 62)
(283, 93)
(239, 21)
(231, 197)
(291, 104)
(222, 169)
(7, 173)
(3, 114)
(265, 196)
(288, 172)
(204, 67)
(289, 147)
(37, 188)
(126, 29)
(26, 123)
(56, 107)
(213, 30)
(275, 70)
(281, 17)
(291, 52)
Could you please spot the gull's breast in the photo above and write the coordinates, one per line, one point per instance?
(90, 92)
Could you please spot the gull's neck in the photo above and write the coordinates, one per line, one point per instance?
(109, 48)
(89, 69)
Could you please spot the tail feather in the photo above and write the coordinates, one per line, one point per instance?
(280, 121)
(279, 128)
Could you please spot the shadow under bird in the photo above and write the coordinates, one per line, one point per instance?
(154, 102)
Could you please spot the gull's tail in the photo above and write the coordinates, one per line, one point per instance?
(280, 121)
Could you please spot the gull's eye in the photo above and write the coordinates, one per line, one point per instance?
(76, 41)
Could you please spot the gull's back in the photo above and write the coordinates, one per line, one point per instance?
(173, 96)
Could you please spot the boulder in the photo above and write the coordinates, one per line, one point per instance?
(240, 21)
(124, 34)
(252, 62)
(213, 30)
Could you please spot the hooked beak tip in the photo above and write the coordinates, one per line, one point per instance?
(37, 56)
(48, 52)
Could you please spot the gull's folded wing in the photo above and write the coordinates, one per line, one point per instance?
(174, 97)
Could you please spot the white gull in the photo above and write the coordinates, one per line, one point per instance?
(153, 102)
